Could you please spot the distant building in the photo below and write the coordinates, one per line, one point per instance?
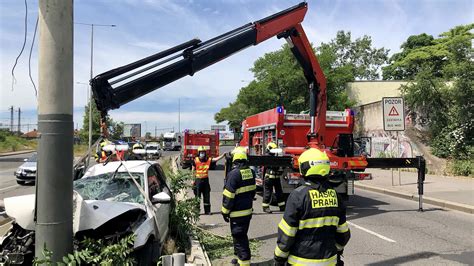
(31, 135)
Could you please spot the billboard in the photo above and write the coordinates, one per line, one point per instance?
(132, 130)
(226, 136)
(218, 127)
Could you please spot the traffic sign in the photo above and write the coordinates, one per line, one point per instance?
(393, 114)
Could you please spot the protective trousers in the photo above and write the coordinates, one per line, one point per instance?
(239, 228)
(202, 187)
(268, 185)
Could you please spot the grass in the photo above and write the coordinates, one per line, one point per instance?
(218, 247)
(10, 143)
(80, 150)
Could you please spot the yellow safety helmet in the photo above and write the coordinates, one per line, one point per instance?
(103, 143)
(272, 145)
(239, 153)
(201, 148)
(137, 146)
(314, 162)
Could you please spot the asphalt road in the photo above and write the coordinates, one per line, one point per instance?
(8, 185)
(385, 230)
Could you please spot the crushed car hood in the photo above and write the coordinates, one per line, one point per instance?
(87, 214)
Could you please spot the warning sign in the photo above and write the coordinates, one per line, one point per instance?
(393, 114)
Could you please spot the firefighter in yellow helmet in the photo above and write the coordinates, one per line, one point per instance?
(237, 200)
(200, 168)
(271, 180)
(313, 230)
(101, 155)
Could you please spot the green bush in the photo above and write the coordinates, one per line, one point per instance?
(463, 167)
(95, 252)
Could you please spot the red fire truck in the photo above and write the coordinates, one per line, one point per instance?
(193, 139)
(289, 132)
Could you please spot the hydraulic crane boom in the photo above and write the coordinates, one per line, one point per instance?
(119, 86)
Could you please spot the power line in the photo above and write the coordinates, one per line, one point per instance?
(29, 58)
(23, 47)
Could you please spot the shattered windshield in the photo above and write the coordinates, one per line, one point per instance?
(119, 188)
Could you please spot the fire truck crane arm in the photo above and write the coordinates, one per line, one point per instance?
(119, 86)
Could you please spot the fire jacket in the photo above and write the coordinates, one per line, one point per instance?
(273, 172)
(202, 168)
(313, 228)
(239, 191)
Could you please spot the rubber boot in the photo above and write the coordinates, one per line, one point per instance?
(267, 210)
(207, 209)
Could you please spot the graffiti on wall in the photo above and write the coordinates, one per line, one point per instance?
(385, 144)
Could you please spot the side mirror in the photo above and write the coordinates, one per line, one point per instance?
(162, 198)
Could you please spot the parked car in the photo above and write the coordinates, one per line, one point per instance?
(27, 171)
(153, 150)
(109, 204)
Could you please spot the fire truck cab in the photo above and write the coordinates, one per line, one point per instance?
(193, 139)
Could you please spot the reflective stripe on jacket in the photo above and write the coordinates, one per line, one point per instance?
(202, 168)
(272, 172)
(239, 190)
(313, 228)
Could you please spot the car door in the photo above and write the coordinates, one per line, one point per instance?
(155, 186)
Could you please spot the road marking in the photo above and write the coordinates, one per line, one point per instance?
(372, 232)
(5, 188)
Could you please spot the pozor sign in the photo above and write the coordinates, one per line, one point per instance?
(393, 114)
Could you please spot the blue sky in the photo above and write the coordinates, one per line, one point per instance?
(145, 27)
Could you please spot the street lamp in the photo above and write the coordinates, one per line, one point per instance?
(179, 112)
(91, 73)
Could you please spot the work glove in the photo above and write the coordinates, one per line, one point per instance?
(226, 217)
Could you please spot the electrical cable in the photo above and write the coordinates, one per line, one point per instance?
(29, 58)
(23, 47)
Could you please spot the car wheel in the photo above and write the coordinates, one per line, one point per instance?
(20, 182)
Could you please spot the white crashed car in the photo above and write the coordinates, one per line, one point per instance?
(107, 204)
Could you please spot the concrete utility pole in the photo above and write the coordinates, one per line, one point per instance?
(11, 119)
(19, 121)
(55, 125)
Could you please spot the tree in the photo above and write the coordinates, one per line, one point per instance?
(279, 80)
(147, 135)
(115, 128)
(95, 124)
(441, 91)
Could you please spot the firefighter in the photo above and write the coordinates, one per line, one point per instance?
(237, 200)
(137, 146)
(271, 180)
(136, 156)
(313, 230)
(101, 155)
(200, 168)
